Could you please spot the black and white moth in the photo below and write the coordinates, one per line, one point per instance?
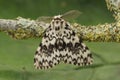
(60, 43)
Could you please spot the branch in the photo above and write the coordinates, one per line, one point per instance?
(22, 28)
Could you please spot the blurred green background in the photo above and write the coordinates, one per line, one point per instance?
(16, 56)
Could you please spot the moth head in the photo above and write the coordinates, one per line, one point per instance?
(57, 22)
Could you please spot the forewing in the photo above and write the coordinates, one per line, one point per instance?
(47, 55)
(75, 52)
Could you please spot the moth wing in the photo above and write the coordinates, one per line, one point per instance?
(46, 19)
(71, 15)
(46, 55)
(76, 52)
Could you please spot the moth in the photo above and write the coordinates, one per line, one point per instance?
(61, 43)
